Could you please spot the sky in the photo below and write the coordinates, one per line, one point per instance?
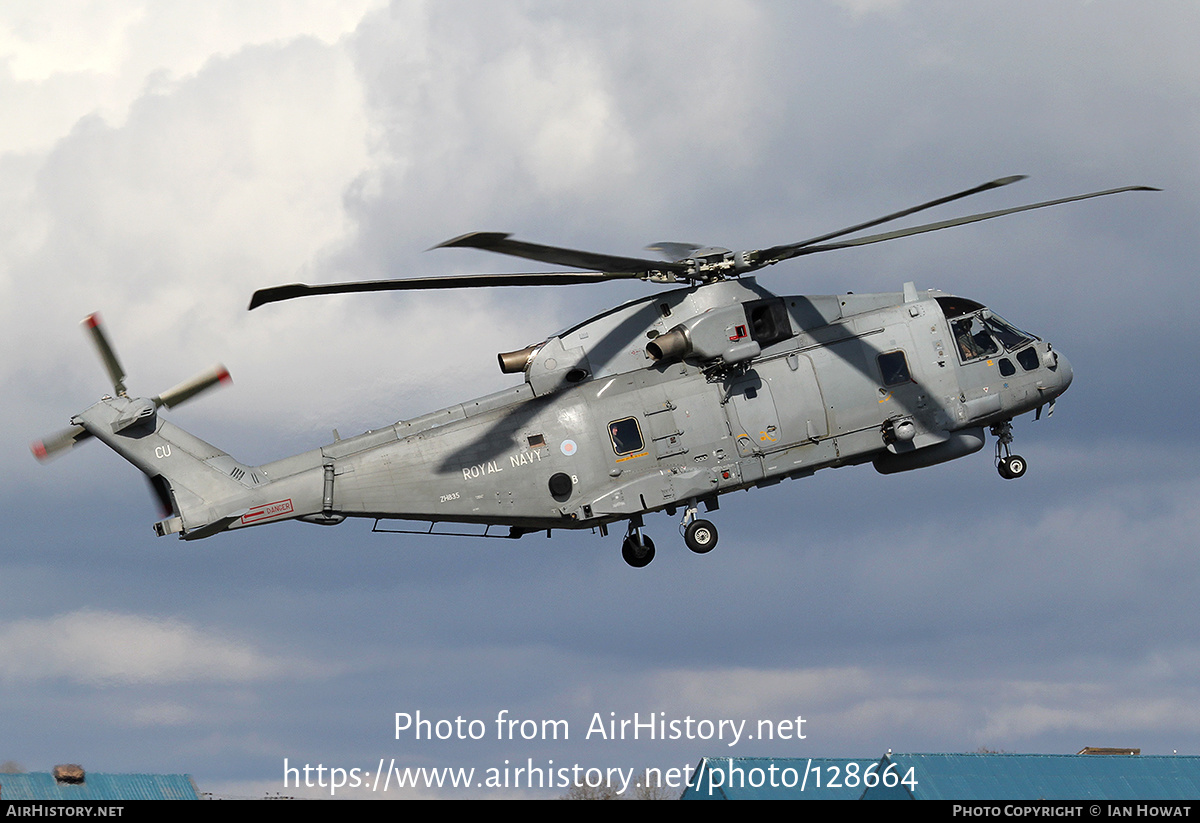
(160, 161)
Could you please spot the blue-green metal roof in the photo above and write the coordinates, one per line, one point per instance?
(43, 786)
(1043, 777)
(979, 777)
(777, 778)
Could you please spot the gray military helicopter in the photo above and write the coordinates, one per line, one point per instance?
(661, 404)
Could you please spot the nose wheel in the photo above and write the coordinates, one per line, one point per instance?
(698, 535)
(1010, 466)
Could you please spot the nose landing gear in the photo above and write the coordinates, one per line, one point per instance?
(1010, 466)
(698, 535)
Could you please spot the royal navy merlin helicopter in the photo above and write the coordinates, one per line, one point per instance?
(661, 404)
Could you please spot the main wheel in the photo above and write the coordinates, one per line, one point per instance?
(1016, 467)
(700, 536)
(637, 553)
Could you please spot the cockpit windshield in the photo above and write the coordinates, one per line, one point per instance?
(1009, 335)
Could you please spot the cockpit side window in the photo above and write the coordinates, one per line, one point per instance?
(971, 338)
(1028, 358)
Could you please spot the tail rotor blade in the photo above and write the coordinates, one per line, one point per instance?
(55, 444)
(115, 372)
(190, 388)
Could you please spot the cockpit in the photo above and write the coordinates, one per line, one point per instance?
(979, 332)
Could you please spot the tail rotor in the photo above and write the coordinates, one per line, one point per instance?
(62, 441)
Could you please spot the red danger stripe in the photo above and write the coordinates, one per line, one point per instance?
(267, 511)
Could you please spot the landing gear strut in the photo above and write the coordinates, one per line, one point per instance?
(637, 548)
(1010, 466)
(699, 535)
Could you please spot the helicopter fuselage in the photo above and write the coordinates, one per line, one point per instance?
(662, 403)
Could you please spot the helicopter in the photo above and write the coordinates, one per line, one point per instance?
(662, 404)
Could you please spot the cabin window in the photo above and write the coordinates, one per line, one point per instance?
(1007, 369)
(894, 367)
(626, 436)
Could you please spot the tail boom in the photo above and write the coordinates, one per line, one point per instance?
(208, 490)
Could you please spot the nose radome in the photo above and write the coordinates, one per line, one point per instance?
(1065, 375)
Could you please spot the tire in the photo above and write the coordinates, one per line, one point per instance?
(637, 554)
(1016, 467)
(700, 536)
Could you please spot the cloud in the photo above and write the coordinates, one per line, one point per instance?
(212, 185)
(103, 647)
(874, 702)
(63, 60)
(1100, 711)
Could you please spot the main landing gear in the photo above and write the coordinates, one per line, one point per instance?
(698, 535)
(637, 548)
(1010, 466)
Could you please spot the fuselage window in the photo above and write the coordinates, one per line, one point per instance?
(1007, 369)
(894, 367)
(626, 436)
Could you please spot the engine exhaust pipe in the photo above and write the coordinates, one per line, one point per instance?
(513, 362)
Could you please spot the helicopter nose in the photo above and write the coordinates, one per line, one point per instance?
(1065, 374)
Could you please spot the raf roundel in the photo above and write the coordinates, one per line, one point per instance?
(568, 447)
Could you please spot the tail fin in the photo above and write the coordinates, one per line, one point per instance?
(205, 489)
(202, 484)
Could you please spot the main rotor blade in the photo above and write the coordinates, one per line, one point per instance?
(452, 281)
(59, 442)
(961, 221)
(115, 372)
(190, 388)
(501, 244)
(776, 254)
